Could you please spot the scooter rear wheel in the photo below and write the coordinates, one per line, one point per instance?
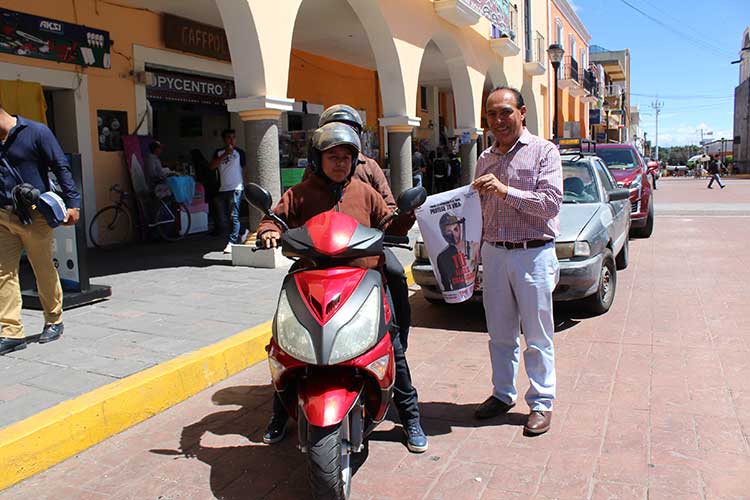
(329, 464)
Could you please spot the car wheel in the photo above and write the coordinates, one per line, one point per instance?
(602, 299)
(648, 229)
(623, 258)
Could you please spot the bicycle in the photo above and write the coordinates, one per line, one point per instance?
(113, 226)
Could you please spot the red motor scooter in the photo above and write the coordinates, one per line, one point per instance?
(331, 357)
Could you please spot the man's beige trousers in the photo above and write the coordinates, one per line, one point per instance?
(36, 239)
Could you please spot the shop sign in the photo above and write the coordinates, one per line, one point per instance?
(496, 11)
(595, 116)
(197, 38)
(181, 87)
(43, 38)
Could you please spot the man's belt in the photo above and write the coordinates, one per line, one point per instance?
(511, 245)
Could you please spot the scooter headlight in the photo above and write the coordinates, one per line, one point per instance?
(293, 338)
(361, 333)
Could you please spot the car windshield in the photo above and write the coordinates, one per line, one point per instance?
(579, 183)
(617, 159)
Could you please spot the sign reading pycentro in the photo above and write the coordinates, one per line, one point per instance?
(183, 87)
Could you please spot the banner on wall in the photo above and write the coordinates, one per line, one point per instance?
(451, 227)
(22, 34)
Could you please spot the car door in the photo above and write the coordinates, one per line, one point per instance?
(620, 209)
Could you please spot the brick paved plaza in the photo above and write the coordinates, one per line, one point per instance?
(652, 398)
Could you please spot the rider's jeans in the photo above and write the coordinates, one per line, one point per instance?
(229, 203)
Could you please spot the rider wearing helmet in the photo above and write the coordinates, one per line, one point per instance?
(334, 155)
(368, 171)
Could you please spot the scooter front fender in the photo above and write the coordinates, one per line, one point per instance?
(326, 399)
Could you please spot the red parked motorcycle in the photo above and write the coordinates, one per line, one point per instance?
(331, 357)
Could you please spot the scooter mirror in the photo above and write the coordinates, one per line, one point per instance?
(411, 198)
(258, 197)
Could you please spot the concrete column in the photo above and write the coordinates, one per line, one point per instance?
(399, 150)
(261, 116)
(399, 154)
(262, 139)
(469, 154)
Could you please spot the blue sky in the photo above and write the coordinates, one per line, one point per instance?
(689, 69)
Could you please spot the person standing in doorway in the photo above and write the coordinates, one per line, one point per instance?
(417, 167)
(230, 161)
(713, 170)
(27, 153)
(519, 179)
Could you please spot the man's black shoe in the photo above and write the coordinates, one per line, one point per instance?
(51, 332)
(276, 430)
(9, 345)
(492, 407)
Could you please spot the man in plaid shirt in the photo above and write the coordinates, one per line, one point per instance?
(520, 181)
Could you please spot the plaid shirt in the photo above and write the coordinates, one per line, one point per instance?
(532, 170)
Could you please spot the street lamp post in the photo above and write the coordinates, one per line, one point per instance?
(555, 52)
(605, 107)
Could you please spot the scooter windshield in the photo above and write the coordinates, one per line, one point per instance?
(332, 235)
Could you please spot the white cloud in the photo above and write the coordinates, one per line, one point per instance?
(685, 134)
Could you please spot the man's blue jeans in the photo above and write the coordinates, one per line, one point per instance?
(229, 206)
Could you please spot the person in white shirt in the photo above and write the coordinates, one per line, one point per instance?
(230, 160)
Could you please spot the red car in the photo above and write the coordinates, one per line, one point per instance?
(630, 171)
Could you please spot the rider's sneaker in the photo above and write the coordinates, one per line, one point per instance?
(228, 248)
(416, 440)
(275, 431)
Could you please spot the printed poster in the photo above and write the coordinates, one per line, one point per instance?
(451, 227)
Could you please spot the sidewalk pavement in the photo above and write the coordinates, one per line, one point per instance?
(167, 299)
(652, 404)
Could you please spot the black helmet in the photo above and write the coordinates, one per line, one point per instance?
(343, 114)
(329, 136)
(448, 219)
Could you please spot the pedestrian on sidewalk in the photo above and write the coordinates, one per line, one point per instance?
(30, 149)
(713, 170)
(230, 161)
(520, 181)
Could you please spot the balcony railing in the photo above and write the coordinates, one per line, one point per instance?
(507, 31)
(590, 83)
(536, 52)
(570, 69)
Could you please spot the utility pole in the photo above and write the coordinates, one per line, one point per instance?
(656, 105)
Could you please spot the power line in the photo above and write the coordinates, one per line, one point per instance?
(693, 39)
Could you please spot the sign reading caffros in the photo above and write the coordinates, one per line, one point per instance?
(182, 87)
(190, 36)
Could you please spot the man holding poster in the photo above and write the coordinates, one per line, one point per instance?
(520, 181)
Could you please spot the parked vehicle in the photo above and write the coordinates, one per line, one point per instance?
(593, 241)
(630, 171)
(331, 357)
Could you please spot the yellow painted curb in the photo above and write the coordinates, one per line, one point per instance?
(51, 436)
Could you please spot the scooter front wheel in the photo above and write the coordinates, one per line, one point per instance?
(329, 462)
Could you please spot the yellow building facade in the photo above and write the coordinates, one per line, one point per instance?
(273, 67)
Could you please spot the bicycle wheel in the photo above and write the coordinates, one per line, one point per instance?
(111, 226)
(172, 220)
